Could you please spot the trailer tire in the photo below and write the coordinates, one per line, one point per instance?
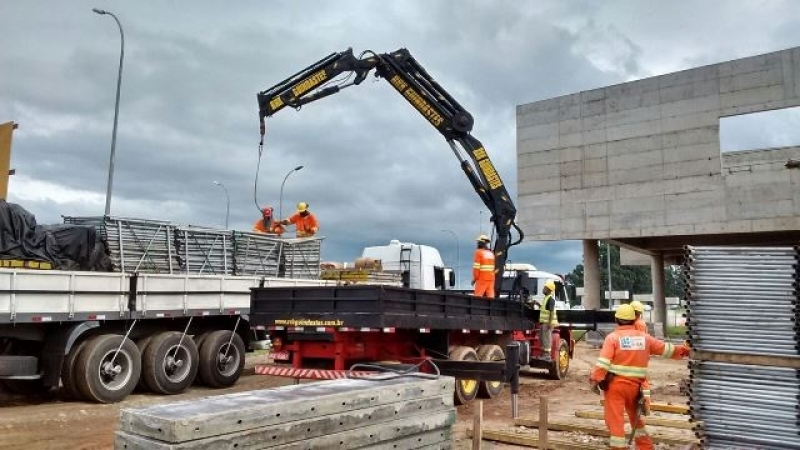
(71, 390)
(490, 389)
(100, 377)
(198, 342)
(142, 344)
(169, 363)
(221, 365)
(466, 390)
(559, 368)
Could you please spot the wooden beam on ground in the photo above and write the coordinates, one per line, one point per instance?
(662, 407)
(477, 425)
(532, 441)
(599, 430)
(543, 423)
(649, 420)
(757, 360)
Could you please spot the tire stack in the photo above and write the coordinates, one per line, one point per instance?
(742, 319)
(394, 413)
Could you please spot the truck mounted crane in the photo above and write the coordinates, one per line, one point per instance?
(436, 105)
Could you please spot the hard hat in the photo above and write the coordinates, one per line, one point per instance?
(302, 206)
(267, 210)
(483, 238)
(637, 306)
(550, 284)
(625, 312)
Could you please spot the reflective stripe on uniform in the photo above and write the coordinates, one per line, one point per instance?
(476, 265)
(646, 392)
(628, 371)
(669, 350)
(618, 441)
(603, 363)
(488, 267)
(640, 432)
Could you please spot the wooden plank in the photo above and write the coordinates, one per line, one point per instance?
(649, 420)
(663, 407)
(533, 441)
(757, 360)
(599, 430)
(543, 425)
(477, 425)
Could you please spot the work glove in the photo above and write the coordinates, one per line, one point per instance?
(595, 387)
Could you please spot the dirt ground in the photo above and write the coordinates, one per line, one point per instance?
(49, 423)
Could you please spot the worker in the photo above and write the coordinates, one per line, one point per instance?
(304, 221)
(639, 324)
(266, 225)
(619, 372)
(483, 268)
(548, 319)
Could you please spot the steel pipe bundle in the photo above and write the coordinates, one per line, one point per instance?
(743, 301)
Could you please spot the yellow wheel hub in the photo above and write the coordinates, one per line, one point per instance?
(468, 386)
(563, 360)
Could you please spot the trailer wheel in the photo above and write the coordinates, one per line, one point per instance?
(198, 342)
(221, 359)
(490, 389)
(559, 368)
(169, 363)
(466, 390)
(104, 375)
(142, 344)
(71, 390)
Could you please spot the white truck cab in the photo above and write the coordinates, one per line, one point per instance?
(533, 280)
(422, 263)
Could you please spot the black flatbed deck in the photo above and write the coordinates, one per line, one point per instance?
(375, 306)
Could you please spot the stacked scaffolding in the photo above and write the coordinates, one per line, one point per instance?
(151, 246)
(742, 319)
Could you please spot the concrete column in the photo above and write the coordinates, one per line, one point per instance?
(659, 303)
(591, 274)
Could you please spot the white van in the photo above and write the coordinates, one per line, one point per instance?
(532, 280)
(422, 263)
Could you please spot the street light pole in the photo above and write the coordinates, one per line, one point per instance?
(458, 257)
(116, 109)
(228, 207)
(280, 203)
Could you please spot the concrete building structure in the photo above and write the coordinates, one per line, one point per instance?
(639, 165)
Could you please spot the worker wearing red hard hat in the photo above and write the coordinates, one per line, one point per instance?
(266, 224)
(483, 268)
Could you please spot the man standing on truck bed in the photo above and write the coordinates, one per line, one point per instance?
(620, 371)
(305, 222)
(548, 319)
(266, 225)
(483, 269)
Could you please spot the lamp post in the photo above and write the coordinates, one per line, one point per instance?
(228, 205)
(458, 257)
(280, 202)
(116, 109)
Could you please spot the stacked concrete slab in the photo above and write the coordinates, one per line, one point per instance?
(396, 413)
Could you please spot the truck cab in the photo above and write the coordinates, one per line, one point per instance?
(531, 281)
(421, 266)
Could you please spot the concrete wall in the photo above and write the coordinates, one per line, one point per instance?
(643, 158)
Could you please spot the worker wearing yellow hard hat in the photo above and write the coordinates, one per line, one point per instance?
(483, 268)
(304, 221)
(620, 371)
(548, 319)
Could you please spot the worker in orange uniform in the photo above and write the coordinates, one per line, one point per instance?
(266, 225)
(305, 223)
(619, 372)
(548, 319)
(639, 324)
(483, 268)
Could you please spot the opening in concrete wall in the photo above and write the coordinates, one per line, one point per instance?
(765, 129)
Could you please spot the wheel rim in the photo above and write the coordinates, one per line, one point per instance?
(114, 373)
(177, 364)
(563, 360)
(468, 386)
(228, 364)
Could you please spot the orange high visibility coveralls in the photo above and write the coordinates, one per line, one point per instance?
(640, 325)
(483, 272)
(626, 353)
(274, 227)
(306, 225)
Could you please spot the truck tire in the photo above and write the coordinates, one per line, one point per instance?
(169, 363)
(142, 344)
(490, 389)
(221, 364)
(70, 388)
(103, 378)
(559, 368)
(466, 390)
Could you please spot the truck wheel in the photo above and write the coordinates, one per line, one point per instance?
(142, 344)
(104, 375)
(169, 363)
(559, 367)
(466, 390)
(221, 363)
(490, 389)
(71, 390)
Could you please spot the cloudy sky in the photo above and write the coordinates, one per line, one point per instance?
(374, 169)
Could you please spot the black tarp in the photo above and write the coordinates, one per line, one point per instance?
(67, 247)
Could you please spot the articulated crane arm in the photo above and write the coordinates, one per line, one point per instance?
(440, 109)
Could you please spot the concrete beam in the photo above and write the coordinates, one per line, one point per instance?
(591, 274)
